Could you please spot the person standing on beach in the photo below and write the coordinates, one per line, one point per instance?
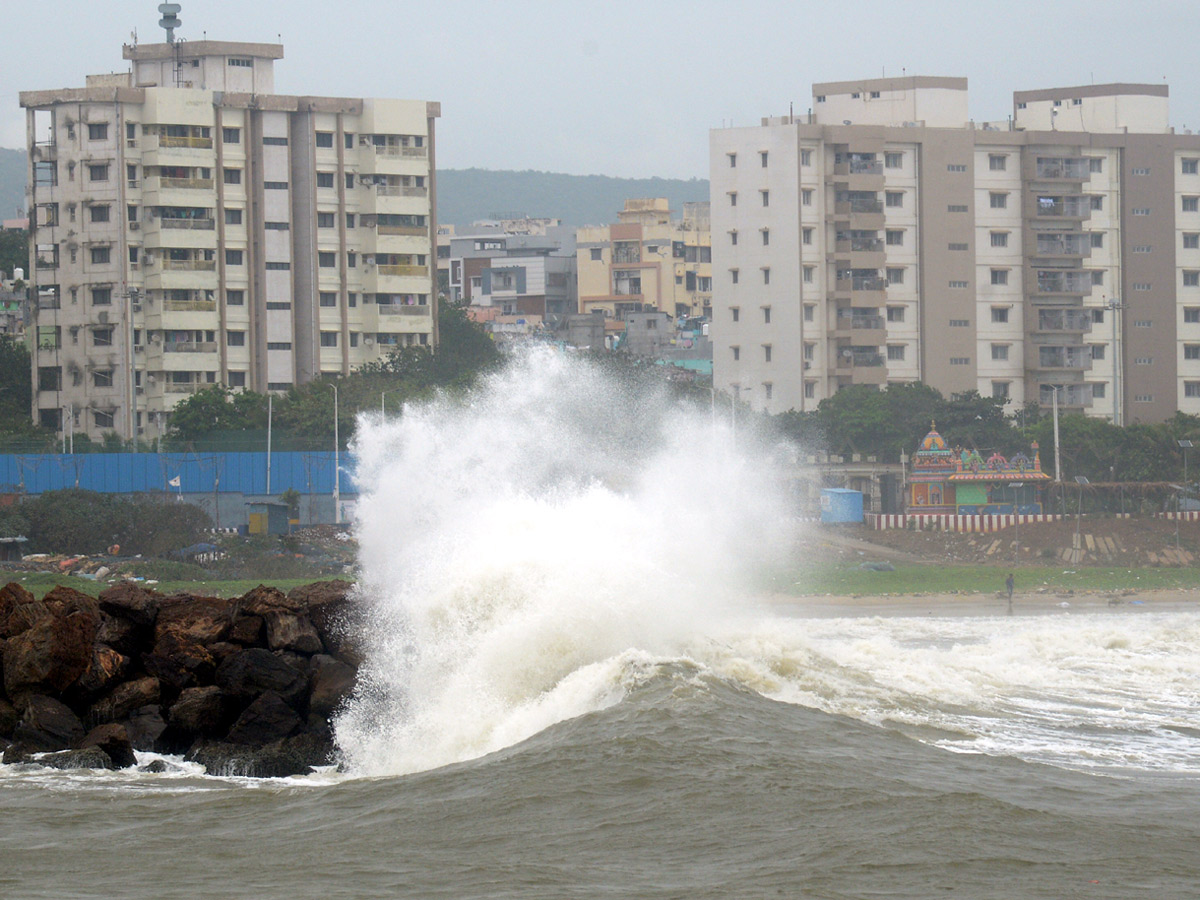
(1008, 586)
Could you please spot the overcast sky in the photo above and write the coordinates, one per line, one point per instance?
(624, 87)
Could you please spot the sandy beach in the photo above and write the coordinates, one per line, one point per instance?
(1048, 602)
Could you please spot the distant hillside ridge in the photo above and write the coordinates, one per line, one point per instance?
(469, 195)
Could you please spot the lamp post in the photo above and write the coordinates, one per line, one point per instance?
(337, 517)
(1080, 480)
(1016, 486)
(1185, 446)
(382, 411)
(1114, 306)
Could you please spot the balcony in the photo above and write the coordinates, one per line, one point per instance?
(1062, 207)
(405, 271)
(1063, 244)
(186, 184)
(189, 265)
(858, 245)
(1064, 320)
(400, 309)
(184, 387)
(1074, 281)
(404, 230)
(1062, 168)
(1075, 358)
(858, 207)
(858, 167)
(860, 283)
(189, 224)
(1078, 396)
(189, 347)
(189, 305)
(859, 321)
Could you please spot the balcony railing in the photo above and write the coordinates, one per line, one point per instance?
(404, 270)
(190, 265)
(407, 230)
(862, 283)
(170, 140)
(190, 387)
(859, 245)
(189, 347)
(1064, 282)
(1075, 169)
(860, 322)
(1065, 207)
(1064, 320)
(1064, 358)
(194, 224)
(851, 207)
(860, 359)
(204, 184)
(1070, 245)
(399, 309)
(190, 305)
(409, 152)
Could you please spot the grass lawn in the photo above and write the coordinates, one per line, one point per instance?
(40, 583)
(835, 578)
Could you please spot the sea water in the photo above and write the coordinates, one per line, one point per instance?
(577, 685)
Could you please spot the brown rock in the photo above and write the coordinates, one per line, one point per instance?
(330, 609)
(47, 725)
(179, 662)
(128, 601)
(269, 718)
(145, 727)
(288, 631)
(124, 635)
(107, 668)
(201, 711)
(19, 610)
(262, 599)
(330, 683)
(62, 601)
(113, 739)
(50, 656)
(199, 619)
(254, 671)
(9, 717)
(124, 699)
(247, 630)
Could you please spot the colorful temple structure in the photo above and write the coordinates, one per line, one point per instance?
(961, 482)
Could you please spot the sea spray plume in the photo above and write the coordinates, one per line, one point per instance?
(525, 549)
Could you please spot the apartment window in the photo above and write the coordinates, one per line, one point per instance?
(960, 360)
(231, 135)
(328, 298)
(1097, 240)
(1099, 390)
(766, 315)
(354, 339)
(1141, 285)
(101, 296)
(766, 275)
(732, 160)
(806, 235)
(957, 208)
(233, 217)
(895, 352)
(998, 200)
(326, 259)
(235, 298)
(1191, 241)
(735, 312)
(1095, 165)
(98, 213)
(1191, 389)
(1143, 398)
(98, 172)
(957, 247)
(1143, 323)
(101, 255)
(960, 285)
(895, 275)
(733, 275)
(894, 237)
(997, 162)
(1145, 210)
(278, 305)
(235, 338)
(275, 141)
(1097, 317)
(133, 255)
(279, 345)
(893, 160)
(806, 157)
(278, 267)
(1143, 360)
(1000, 352)
(1096, 203)
(810, 312)
(1141, 170)
(1000, 390)
(276, 226)
(806, 197)
(237, 379)
(234, 257)
(352, 299)
(232, 176)
(766, 352)
(325, 139)
(733, 198)
(97, 131)
(241, 62)
(102, 378)
(999, 238)
(1191, 204)
(1191, 351)
(1097, 277)
(597, 254)
(766, 198)
(999, 315)
(893, 199)
(102, 337)
(326, 219)
(275, 185)
(810, 352)
(895, 314)
(808, 273)
(960, 323)
(1191, 315)
(102, 419)
(324, 179)
(1191, 279)
(768, 388)
(1190, 166)
(763, 155)
(349, 181)
(956, 167)
(329, 338)
(737, 353)
(999, 276)
(766, 236)
(810, 390)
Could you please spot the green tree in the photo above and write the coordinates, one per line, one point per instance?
(217, 409)
(14, 250)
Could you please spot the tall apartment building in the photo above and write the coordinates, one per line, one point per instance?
(647, 261)
(885, 237)
(190, 227)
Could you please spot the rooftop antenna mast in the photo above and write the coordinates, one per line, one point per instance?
(170, 19)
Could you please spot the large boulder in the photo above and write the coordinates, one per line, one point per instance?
(288, 631)
(128, 601)
(145, 726)
(19, 610)
(247, 630)
(62, 601)
(9, 717)
(252, 672)
(124, 699)
(125, 636)
(262, 599)
(267, 719)
(332, 611)
(199, 619)
(330, 682)
(47, 725)
(200, 711)
(179, 662)
(88, 758)
(113, 739)
(107, 669)
(50, 656)
(296, 755)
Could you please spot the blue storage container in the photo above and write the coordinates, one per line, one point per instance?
(840, 505)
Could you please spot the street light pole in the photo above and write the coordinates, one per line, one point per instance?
(1016, 486)
(1185, 446)
(337, 518)
(1115, 305)
(1080, 480)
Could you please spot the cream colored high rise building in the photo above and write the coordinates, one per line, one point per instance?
(191, 227)
(884, 237)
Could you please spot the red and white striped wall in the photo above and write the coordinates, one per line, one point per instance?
(1185, 515)
(951, 522)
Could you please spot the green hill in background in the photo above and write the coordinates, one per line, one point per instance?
(468, 195)
(12, 183)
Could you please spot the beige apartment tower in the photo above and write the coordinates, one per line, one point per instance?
(190, 227)
(884, 237)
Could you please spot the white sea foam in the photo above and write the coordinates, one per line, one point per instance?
(523, 550)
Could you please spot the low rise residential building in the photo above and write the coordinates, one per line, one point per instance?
(528, 270)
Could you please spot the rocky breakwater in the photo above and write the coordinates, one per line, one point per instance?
(245, 686)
